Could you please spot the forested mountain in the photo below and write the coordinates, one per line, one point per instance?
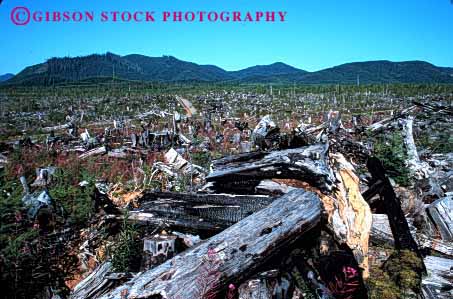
(381, 72)
(170, 69)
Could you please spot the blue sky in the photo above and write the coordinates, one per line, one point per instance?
(316, 35)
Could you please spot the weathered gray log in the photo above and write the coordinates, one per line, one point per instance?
(382, 234)
(445, 248)
(390, 121)
(242, 173)
(97, 151)
(94, 282)
(190, 225)
(439, 282)
(56, 128)
(441, 211)
(219, 210)
(269, 187)
(235, 253)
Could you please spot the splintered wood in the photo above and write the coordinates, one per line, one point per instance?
(349, 216)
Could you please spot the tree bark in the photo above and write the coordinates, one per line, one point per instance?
(231, 256)
(241, 174)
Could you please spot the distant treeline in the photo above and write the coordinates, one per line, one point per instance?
(101, 87)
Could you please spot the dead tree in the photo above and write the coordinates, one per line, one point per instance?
(349, 216)
(231, 256)
(398, 222)
(242, 173)
(206, 212)
(442, 215)
(438, 283)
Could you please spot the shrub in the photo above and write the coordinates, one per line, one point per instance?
(77, 202)
(126, 251)
(399, 277)
(390, 150)
(202, 159)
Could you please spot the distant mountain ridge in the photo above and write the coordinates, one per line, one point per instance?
(170, 69)
(6, 77)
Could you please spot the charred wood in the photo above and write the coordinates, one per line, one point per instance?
(398, 222)
(211, 212)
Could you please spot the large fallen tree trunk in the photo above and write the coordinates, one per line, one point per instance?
(230, 256)
(438, 283)
(243, 173)
(94, 284)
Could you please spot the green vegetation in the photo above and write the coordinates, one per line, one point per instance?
(399, 278)
(126, 251)
(76, 201)
(303, 286)
(202, 159)
(390, 150)
(28, 262)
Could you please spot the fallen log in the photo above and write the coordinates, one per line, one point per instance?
(236, 253)
(381, 234)
(241, 174)
(441, 211)
(97, 151)
(390, 121)
(438, 284)
(187, 225)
